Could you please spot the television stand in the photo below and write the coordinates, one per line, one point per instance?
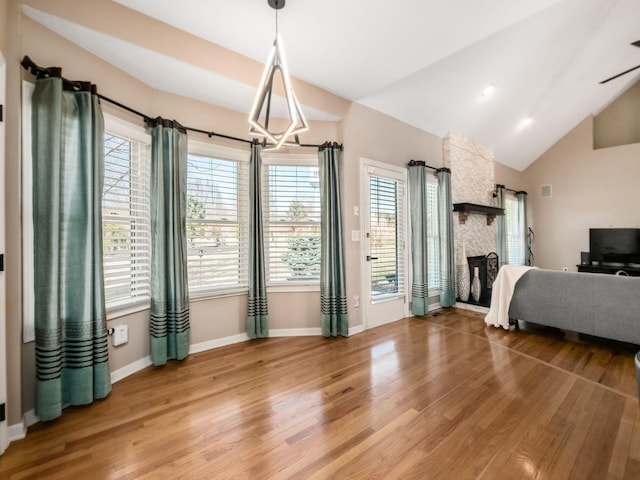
(607, 269)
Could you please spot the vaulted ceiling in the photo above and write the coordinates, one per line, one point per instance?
(424, 62)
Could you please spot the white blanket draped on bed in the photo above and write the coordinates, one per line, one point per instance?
(503, 288)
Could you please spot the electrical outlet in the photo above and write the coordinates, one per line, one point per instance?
(120, 335)
(356, 301)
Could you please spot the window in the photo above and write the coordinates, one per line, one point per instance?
(28, 297)
(217, 218)
(291, 204)
(433, 233)
(125, 216)
(515, 240)
(386, 228)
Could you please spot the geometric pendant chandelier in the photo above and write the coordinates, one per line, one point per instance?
(276, 74)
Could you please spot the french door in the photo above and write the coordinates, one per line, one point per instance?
(384, 243)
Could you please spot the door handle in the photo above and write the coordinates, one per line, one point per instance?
(369, 258)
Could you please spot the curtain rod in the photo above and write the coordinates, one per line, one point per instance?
(40, 72)
(421, 162)
(510, 189)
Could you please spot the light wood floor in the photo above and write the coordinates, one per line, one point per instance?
(433, 397)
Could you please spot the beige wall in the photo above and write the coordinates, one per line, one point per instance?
(374, 136)
(590, 188)
(4, 7)
(619, 123)
(507, 176)
(3, 326)
(12, 193)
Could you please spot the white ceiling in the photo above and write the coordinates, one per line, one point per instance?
(424, 62)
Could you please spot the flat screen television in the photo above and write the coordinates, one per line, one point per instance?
(615, 245)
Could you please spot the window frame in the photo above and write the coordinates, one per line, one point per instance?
(432, 181)
(285, 159)
(206, 149)
(28, 274)
(401, 228)
(118, 127)
(513, 236)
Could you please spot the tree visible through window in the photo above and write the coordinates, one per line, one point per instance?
(292, 223)
(216, 223)
(125, 220)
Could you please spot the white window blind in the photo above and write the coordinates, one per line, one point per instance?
(125, 220)
(433, 233)
(515, 240)
(291, 204)
(28, 297)
(387, 236)
(217, 223)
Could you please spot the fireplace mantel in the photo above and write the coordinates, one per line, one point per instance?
(465, 209)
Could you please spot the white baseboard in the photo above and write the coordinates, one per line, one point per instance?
(130, 369)
(295, 332)
(473, 308)
(309, 332)
(145, 362)
(434, 306)
(30, 418)
(217, 342)
(138, 365)
(355, 330)
(19, 430)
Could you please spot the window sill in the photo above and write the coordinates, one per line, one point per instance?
(293, 287)
(387, 298)
(213, 294)
(128, 308)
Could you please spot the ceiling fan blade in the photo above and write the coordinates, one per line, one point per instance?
(635, 44)
(620, 74)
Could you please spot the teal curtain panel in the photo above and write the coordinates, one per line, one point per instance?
(445, 226)
(257, 308)
(72, 365)
(418, 214)
(500, 201)
(333, 293)
(169, 324)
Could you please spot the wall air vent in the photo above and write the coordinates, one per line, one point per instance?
(545, 191)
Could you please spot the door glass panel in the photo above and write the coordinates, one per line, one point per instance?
(386, 230)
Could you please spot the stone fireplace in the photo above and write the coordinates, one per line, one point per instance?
(472, 181)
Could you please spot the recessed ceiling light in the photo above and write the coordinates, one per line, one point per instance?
(526, 122)
(488, 91)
